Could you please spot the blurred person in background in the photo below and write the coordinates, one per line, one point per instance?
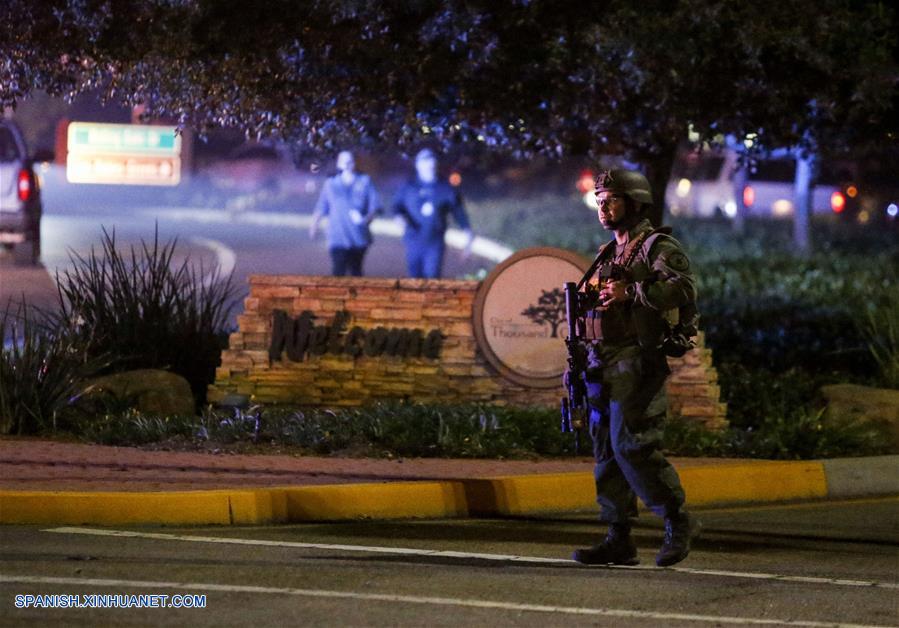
(424, 204)
(350, 202)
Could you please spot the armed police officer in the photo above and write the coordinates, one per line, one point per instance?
(642, 278)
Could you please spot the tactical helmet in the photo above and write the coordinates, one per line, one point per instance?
(628, 183)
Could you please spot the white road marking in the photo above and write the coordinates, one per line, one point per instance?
(470, 555)
(414, 599)
(225, 258)
(482, 247)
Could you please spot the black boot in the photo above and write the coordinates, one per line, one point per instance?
(616, 549)
(679, 531)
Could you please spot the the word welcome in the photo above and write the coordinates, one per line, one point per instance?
(298, 336)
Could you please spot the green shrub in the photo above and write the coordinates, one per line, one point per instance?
(396, 429)
(133, 428)
(147, 311)
(681, 437)
(756, 395)
(472, 431)
(42, 372)
(881, 329)
(809, 436)
(801, 435)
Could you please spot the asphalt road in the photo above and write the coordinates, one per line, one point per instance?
(242, 243)
(804, 565)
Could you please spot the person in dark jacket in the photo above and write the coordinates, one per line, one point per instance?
(425, 205)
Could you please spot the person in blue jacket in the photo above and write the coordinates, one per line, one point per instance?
(350, 202)
(424, 204)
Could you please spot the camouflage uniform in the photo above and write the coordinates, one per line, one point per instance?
(640, 282)
(626, 381)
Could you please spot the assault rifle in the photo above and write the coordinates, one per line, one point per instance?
(574, 405)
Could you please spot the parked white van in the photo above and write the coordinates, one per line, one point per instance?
(711, 182)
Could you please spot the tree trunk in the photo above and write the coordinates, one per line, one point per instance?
(802, 209)
(741, 178)
(658, 171)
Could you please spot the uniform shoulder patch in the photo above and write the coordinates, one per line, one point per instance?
(677, 260)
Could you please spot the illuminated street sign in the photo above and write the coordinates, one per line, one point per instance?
(123, 154)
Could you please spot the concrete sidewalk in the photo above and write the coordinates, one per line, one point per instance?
(47, 482)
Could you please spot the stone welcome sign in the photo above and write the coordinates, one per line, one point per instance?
(347, 341)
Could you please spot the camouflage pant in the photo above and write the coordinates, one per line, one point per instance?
(627, 406)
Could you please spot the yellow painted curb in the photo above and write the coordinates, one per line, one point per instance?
(504, 496)
(720, 484)
(174, 508)
(253, 507)
(392, 500)
(113, 508)
(530, 494)
(754, 482)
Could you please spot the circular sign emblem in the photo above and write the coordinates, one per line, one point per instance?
(519, 315)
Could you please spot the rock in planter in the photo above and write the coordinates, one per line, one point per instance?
(863, 403)
(150, 391)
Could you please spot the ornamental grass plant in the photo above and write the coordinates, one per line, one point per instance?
(147, 310)
(43, 370)
(881, 330)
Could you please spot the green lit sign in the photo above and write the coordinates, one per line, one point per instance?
(124, 154)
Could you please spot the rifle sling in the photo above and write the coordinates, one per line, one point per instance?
(602, 253)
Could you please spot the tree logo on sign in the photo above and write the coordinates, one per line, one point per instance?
(549, 309)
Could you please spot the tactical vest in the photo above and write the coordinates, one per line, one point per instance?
(670, 331)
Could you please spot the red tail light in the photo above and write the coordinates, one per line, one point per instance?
(585, 182)
(748, 196)
(837, 202)
(25, 186)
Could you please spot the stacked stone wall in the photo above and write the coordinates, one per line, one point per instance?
(327, 378)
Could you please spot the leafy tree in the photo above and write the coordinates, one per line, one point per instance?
(522, 76)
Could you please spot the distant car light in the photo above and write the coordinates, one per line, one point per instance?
(24, 186)
(851, 191)
(683, 188)
(590, 200)
(892, 210)
(837, 202)
(585, 182)
(782, 208)
(455, 179)
(748, 196)
(864, 217)
(730, 209)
